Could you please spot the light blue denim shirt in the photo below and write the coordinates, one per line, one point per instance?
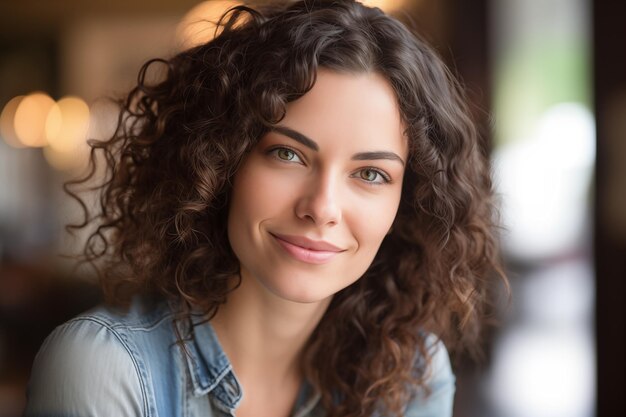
(105, 363)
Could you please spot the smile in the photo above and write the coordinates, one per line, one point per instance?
(307, 250)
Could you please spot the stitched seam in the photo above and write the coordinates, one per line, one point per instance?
(130, 353)
(152, 326)
(221, 374)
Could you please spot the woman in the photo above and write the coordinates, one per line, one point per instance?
(295, 218)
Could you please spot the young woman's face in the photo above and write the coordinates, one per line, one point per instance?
(314, 199)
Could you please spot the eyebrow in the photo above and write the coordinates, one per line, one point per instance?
(370, 156)
(297, 136)
(310, 143)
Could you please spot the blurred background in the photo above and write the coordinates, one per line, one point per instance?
(548, 81)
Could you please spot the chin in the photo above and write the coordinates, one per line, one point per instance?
(304, 290)
(301, 295)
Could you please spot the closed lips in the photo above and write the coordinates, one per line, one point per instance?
(306, 250)
(309, 244)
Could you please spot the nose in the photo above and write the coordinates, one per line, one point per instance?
(320, 202)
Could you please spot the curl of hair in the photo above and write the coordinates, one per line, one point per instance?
(161, 220)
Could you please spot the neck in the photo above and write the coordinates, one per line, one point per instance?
(264, 335)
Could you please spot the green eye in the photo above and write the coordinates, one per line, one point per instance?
(372, 176)
(285, 154)
(369, 175)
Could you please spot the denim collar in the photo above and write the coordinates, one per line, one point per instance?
(210, 369)
(212, 372)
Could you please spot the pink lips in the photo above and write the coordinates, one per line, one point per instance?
(307, 250)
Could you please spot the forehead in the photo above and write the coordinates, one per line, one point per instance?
(352, 109)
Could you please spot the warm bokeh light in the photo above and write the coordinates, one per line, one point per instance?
(74, 159)
(30, 119)
(386, 5)
(60, 128)
(7, 128)
(198, 25)
(67, 124)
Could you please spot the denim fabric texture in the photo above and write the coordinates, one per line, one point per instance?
(108, 363)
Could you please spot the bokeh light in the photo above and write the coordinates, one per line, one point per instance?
(67, 124)
(30, 119)
(544, 181)
(7, 127)
(198, 25)
(386, 5)
(60, 128)
(544, 372)
(66, 130)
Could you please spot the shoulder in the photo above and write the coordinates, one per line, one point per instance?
(92, 366)
(441, 374)
(441, 384)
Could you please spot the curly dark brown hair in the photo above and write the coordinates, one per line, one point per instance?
(161, 220)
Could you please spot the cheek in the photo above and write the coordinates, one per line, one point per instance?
(375, 218)
(369, 228)
(257, 195)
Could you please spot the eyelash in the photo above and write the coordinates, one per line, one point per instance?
(386, 179)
